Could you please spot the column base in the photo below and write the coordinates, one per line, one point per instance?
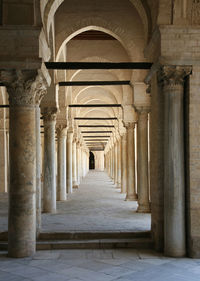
(118, 186)
(143, 209)
(133, 197)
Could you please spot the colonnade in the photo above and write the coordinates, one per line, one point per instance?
(25, 90)
(120, 161)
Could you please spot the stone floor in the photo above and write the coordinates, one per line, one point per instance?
(98, 265)
(96, 206)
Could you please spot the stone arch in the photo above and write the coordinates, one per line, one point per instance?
(94, 23)
(50, 7)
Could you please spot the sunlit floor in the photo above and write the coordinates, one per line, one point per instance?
(96, 206)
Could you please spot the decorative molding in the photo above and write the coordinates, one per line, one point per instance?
(173, 75)
(24, 87)
(130, 125)
(49, 114)
(61, 131)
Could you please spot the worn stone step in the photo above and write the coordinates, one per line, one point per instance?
(137, 243)
(93, 235)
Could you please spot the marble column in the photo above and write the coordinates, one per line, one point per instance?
(77, 162)
(119, 162)
(142, 152)
(131, 192)
(74, 165)
(22, 88)
(69, 161)
(115, 163)
(124, 164)
(49, 184)
(174, 173)
(61, 163)
(39, 97)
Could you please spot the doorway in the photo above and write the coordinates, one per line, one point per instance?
(92, 161)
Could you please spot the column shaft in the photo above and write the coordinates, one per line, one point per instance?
(74, 164)
(174, 180)
(61, 165)
(124, 164)
(49, 186)
(22, 88)
(119, 163)
(131, 193)
(142, 144)
(115, 164)
(38, 170)
(69, 162)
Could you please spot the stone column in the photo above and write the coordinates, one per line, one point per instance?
(131, 193)
(124, 164)
(142, 144)
(115, 163)
(77, 161)
(3, 155)
(113, 160)
(74, 165)
(110, 161)
(174, 179)
(69, 161)
(39, 96)
(49, 184)
(61, 163)
(119, 162)
(22, 88)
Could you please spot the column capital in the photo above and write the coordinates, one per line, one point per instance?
(143, 109)
(61, 131)
(130, 125)
(49, 113)
(24, 87)
(171, 75)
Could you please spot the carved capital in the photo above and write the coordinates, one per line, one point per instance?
(143, 110)
(130, 125)
(41, 88)
(173, 75)
(49, 113)
(20, 86)
(61, 131)
(24, 87)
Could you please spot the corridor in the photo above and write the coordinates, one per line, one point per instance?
(96, 206)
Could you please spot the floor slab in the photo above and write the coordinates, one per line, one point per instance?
(98, 265)
(96, 206)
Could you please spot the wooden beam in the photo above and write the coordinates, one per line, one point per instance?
(97, 65)
(93, 83)
(96, 136)
(95, 105)
(94, 132)
(96, 126)
(95, 118)
(4, 106)
(96, 139)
